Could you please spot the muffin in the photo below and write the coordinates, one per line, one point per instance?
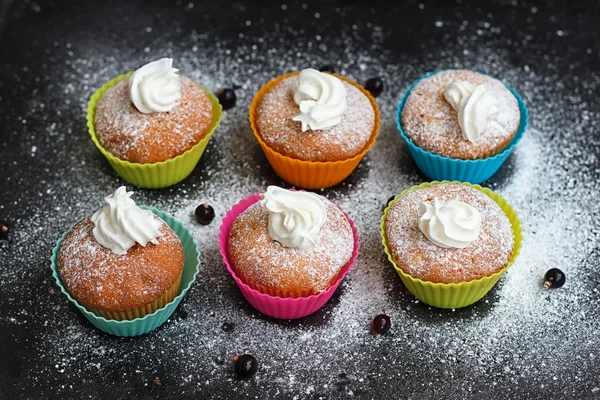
(153, 125)
(448, 233)
(314, 127)
(122, 262)
(450, 239)
(461, 114)
(290, 244)
(461, 125)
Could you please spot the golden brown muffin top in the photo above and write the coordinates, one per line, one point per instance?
(273, 266)
(136, 137)
(420, 258)
(345, 140)
(432, 124)
(98, 278)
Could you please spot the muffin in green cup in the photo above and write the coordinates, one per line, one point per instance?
(450, 242)
(152, 125)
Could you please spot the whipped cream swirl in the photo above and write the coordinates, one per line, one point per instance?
(322, 100)
(121, 224)
(475, 105)
(454, 224)
(155, 87)
(295, 218)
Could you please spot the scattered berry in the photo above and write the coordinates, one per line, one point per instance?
(204, 214)
(182, 313)
(554, 278)
(227, 98)
(245, 366)
(375, 86)
(4, 231)
(327, 68)
(228, 326)
(381, 324)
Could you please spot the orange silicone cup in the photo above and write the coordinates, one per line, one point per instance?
(311, 174)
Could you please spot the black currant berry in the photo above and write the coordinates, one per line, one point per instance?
(245, 366)
(375, 86)
(228, 326)
(4, 231)
(204, 214)
(182, 313)
(227, 98)
(381, 324)
(554, 278)
(327, 68)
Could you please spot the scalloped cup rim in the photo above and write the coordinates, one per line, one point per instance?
(517, 238)
(252, 199)
(90, 314)
(521, 129)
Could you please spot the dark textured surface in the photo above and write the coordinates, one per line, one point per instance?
(520, 342)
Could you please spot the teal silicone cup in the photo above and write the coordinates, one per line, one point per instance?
(140, 326)
(441, 168)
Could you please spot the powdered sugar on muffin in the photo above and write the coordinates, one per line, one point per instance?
(100, 279)
(417, 256)
(432, 124)
(133, 136)
(266, 264)
(274, 120)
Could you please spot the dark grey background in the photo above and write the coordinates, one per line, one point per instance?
(520, 342)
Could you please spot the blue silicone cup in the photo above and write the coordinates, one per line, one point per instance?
(140, 326)
(441, 168)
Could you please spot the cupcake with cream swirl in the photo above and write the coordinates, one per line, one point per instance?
(290, 244)
(314, 127)
(461, 125)
(450, 242)
(448, 233)
(153, 124)
(123, 262)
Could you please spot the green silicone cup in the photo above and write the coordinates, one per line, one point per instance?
(160, 174)
(456, 295)
(140, 326)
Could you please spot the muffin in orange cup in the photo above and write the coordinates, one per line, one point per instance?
(314, 127)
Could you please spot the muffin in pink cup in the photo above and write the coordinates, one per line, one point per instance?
(287, 251)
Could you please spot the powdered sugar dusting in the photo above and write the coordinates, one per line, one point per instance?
(520, 341)
(416, 255)
(274, 122)
(275, 267)
(97, 277)
(147, 138)
(430, 121)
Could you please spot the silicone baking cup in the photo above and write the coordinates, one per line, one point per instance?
(160, 174)
(311, 174)
(439, 167)
(456, 295)
(272, 304)
(149, 322)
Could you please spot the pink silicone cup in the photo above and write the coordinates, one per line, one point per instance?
(276, 306)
